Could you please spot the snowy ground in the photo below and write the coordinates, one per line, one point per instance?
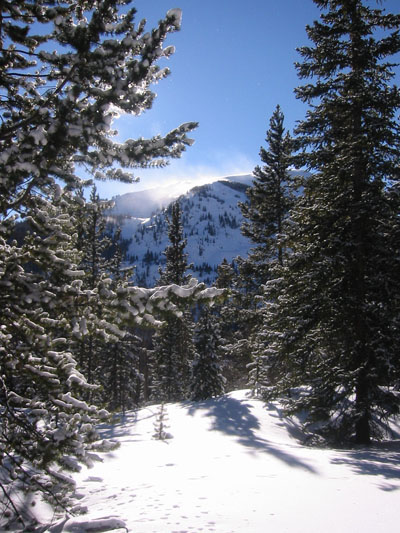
(233, 465)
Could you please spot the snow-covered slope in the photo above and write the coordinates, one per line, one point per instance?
(211, 222)
(233, 465)
(143, 204)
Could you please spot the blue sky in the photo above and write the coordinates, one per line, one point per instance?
(234, 62)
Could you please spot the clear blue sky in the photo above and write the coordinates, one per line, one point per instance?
(234, 62)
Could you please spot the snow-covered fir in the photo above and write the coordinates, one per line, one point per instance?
(211, 221)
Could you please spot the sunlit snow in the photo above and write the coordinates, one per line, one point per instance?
(233, 465)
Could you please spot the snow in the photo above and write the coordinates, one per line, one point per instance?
(233, 465)
(71, 401)
(176, 14)
(211, 224)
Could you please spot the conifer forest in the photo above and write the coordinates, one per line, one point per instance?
(310, 316)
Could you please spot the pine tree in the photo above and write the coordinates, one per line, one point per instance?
(225, 275)
(206, 379)
(392, 273)
(161, 424)
(119, 376)
(176, 260)
(227, 311)
(44, 422)
(269, 198)
(93, 243)
(331, 307)
(235, 320)
(56, 113)
(105, 347)
(57, 104)
(93, 240)
(174, 348)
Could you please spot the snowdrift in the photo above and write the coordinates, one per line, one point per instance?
(230, 465)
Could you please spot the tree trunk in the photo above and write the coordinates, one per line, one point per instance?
(362, 427)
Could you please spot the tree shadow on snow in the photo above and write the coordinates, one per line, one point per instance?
(383, 459)
(122, 426)
(293, 428)
(233, 417)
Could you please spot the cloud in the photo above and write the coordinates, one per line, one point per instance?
(185, 170)
(182, 174)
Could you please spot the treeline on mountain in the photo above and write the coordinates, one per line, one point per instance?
(309, 317)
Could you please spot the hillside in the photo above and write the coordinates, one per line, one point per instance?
(211, 223)
(232, 465)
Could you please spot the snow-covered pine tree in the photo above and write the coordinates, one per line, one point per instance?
(176, 265)
(247, 302)
(106, 348)
(91, 345)
(269, 199)
(392, 274)
(174, 348)
(45, 426)
(232, 353)
(206, 379)
(56, 112)
(225, 275)
(56, 104)
(259, 373)
(331, 311)
(121, 380)
(161, 424)
(226, 310)
(119, 375)
(93, 240)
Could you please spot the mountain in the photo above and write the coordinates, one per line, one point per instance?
(211, 223)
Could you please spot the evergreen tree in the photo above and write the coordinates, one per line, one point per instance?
(56, 112)
(236, 320)
(226, 316)
(176, 260)
(269, 198)
(174, 348)
(227, 311)
(331, 308)
(93, 243)
(206, 379)
(225, 275)
(57, 104)
(161, 425)
(259, 370)
(392, 273)
(119, 356)
(44, 422)
(105, 347)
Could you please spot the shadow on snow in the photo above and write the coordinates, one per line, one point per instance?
(383, 459)
(234, 418)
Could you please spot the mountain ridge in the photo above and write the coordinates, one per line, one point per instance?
(211, 219)
(144, 203)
